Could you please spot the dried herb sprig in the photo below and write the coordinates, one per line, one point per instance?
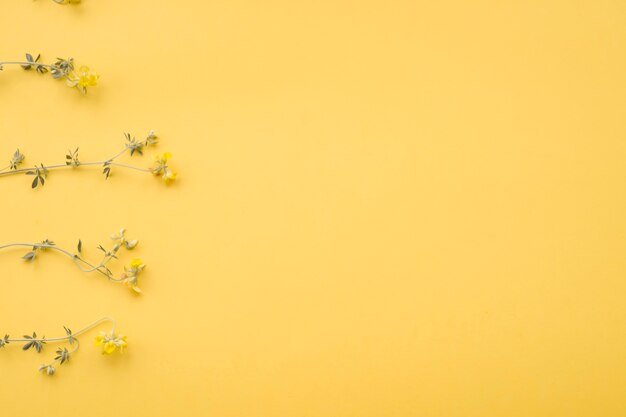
(110, 342)
(62, 68)
(132, 146)
(129, 277)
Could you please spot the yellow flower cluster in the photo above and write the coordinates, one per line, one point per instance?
(111, 342)
(162, 169)
(82, 79)
(131, 276)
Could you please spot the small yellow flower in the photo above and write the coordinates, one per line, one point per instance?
(110, 342)
(109, 347)
(162, 169)
(85, 78)
(169, 176)
(130, 277)
(132, 284)
(162, 158)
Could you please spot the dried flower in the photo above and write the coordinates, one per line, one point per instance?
(110, 342)
(83, 79)
(162, 168)
(62, 68)
(120, 241)
(132, 145)
(131, 275)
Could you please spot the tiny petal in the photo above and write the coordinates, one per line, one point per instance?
(169, 176)
(109, 347)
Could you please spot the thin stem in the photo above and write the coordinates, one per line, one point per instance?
(115, 164)
(74, 335)
(118, 154)
(17, 171)
(57, 166)
(103, 262)
(74, 257)
(73, 351)
(35, 64)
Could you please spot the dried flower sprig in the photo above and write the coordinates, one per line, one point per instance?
(130, 276)
(110, 342)
(61, 69)
(132, 145)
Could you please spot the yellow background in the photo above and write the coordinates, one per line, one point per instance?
(385, 208)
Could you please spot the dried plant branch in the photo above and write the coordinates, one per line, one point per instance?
(61, 69)
(110, 342)
(132, 145)
(129, 277)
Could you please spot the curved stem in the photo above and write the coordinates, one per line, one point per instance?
(73, 351)
(74, 257)
(74, 335)
(76, 346)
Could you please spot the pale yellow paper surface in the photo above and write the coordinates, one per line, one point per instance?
(385, 208)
